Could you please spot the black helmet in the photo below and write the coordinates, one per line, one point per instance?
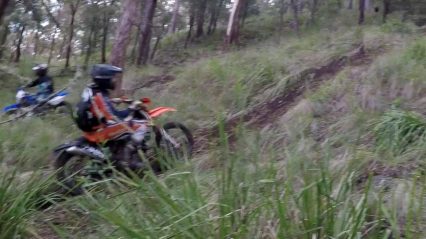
(103, 74)
(40, 69)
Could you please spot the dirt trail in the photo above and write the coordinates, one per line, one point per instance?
(268, 112)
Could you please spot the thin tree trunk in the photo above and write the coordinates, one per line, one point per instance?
(36, 42)
(122, 37)
(133, 55)
(173, 23)
(244, 15)
(18, 45)
(70, 38)
(52, 46)
(314, 10)
(200, 18)
(214, 17)
(146, 32)
(4, 33)
(105, 29)
(219, 11)
(295, 7)
(191, 26)
(233, 30)
(351, 4)
(89, 47)
(3, 6)
(282, 11)
(361, 12)
(154, 50)
(386, 9)
(339, 4)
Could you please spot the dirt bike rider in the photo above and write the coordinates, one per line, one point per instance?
(110, 123)
(43, 81)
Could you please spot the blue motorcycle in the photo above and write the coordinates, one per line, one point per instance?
(32, 104)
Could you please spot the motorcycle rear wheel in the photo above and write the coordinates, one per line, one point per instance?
(74, 173)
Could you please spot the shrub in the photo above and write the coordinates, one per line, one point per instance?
(397, 130)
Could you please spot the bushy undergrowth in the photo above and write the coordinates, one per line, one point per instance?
(397, 130)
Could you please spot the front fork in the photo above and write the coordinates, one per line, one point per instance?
(169, 138)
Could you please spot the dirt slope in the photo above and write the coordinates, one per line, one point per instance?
(267, 112)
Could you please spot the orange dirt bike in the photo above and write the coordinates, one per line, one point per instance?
(142, 146)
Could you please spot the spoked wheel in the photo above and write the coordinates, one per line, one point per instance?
(177, 141)
(76, 172)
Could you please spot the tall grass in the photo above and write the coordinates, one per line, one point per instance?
(397, 130)
(19, 200)
(249, 196)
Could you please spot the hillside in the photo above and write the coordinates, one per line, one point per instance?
(318, 136)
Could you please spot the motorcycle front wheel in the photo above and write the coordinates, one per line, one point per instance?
(176, 142)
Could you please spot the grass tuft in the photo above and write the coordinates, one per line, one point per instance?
(398, 130)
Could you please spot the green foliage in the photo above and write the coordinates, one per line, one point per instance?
(19, 201)
(417, 52)
(398, 130)
(31, 150)
(394, 24)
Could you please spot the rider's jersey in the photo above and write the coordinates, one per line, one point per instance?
(102, 107)
(44, 84)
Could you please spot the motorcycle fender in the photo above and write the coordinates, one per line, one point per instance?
(56, 101)
(10, 108)
(88, 151)
(160, 110)
(79, 147)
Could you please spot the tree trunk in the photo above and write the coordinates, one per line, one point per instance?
(173, 23)
(386, 9)
(191, 26)
(18, 45)
(351, 4)
(339, 4)
(361, 12)
(89, 47)
(70, 38)
(36, 42)
(4, 33)
(282, 11)
(134, 54)
(52, 46)
(157, 43)
(367, 4)
(146, 32)
(3, 6)
(122, 37)
(105, 29)
(233, 30)
(244, 14)
(295, 7)
(314, 10)
(200, 18)
(214, 17)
